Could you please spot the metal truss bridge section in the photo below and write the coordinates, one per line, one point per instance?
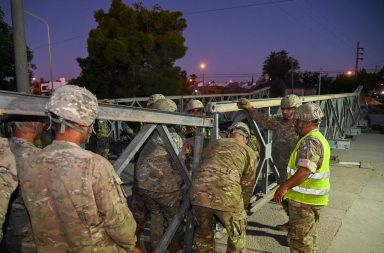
(342, 118)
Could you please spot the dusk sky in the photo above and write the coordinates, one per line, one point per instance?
(232, 37)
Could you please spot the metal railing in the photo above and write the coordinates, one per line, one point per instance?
(342, 116)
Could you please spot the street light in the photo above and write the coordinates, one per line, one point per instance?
(349, 72)
(49, 45)
(202, 66)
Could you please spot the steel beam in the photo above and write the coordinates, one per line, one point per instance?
(13, 103)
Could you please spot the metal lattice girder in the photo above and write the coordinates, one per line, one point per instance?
(134, 146)
(271, 102)
(223, 97)
(12, 103)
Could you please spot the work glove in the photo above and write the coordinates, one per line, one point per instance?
(244, 104)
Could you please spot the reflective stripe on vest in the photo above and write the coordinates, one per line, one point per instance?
(310, 191)
(313, 175)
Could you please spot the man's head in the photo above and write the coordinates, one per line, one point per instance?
(27, 130)
(74, 107)
(307, 117)
(288, 105)
(166, 105)
(153, 98)
(195, 107)
(239, 131)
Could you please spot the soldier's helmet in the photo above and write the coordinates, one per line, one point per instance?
(166, 105)
(240, 127)
(290, 101)
(153, 98)
(75, 104)
(194, 104)
(308, 112)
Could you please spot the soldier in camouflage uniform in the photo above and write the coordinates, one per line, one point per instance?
(74, 196)
(223, 189)
(8, 179)
(18, 235)
(159, 181)
(196, 108)
(307, 187)
(137, 204)
(284, 137)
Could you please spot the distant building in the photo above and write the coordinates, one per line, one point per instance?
(45, 88)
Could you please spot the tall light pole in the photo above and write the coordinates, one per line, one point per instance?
(202, 66)
(49, 45)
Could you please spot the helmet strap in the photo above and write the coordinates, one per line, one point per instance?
(63, 123)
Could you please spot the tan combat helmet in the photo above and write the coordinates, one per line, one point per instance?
(74, 104)
(290, 101)
(194, 104)
(153, 98)
(308, 112)
(166, 105)
(239, 127)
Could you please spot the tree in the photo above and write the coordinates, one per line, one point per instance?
(311, 79)
(277, 88)
(370, 81)
(279, 65)
(132, 52)
(7, 57)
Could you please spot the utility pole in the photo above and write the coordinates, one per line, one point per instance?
(359, 54)
(21, 63)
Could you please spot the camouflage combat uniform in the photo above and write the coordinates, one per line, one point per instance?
(223, 188)
(102, 147)
(75, 202)
(19, 236)
(188, 134)
(159, 184)
(304, 218)
(284, 139)
(8, 179)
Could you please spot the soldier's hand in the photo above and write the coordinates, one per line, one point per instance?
(244, 104)
(279, 194)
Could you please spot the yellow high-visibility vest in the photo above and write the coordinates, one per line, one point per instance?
(315, 189)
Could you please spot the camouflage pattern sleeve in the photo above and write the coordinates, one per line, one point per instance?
(310, 154)
(265, 122)
(248, 180)
(112, 205)
(8, 179)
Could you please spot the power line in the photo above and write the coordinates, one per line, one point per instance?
(314, 31)
(60, 41)
(326, 28)
(339, 32)
(186, 13)
(236, 7)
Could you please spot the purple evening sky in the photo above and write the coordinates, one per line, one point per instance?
(232, 38)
